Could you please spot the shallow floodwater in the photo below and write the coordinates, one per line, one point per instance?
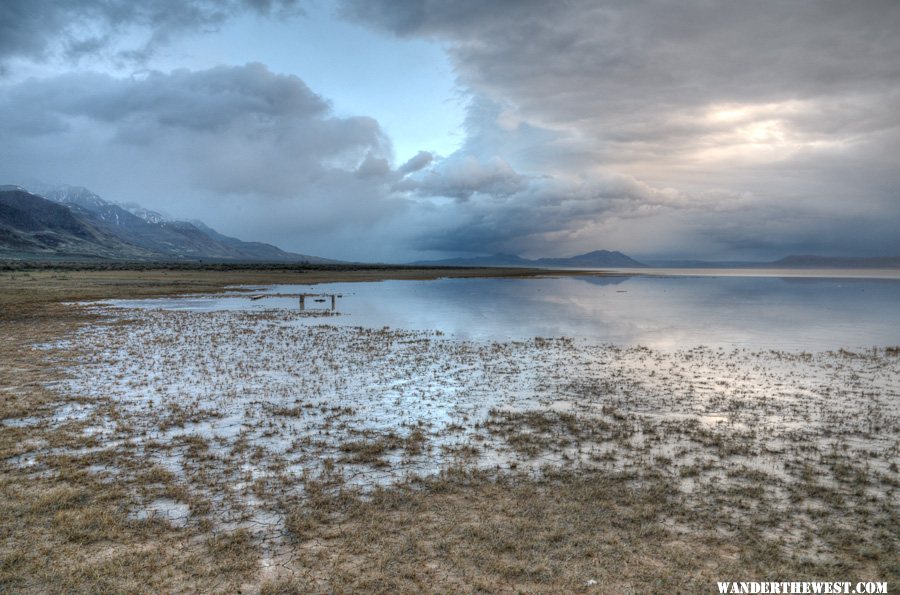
(758, 312)
(247, 403)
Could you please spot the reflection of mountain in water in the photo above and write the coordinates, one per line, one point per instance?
(671, 312)
(597, 259)
(788, 262)
(861, 282)
(604, 280)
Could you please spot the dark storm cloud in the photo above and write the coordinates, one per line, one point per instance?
(41, 29)
(791, 106)
(545, 213)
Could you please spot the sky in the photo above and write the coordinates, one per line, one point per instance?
(400, 130)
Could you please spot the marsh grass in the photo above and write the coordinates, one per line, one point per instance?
(471, 531)
(794, 481)
(64, 526)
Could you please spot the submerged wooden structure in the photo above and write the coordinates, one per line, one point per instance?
(319, 298)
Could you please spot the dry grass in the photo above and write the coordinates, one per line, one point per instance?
(67, 502)
(566, 531)
(24, 291)
(65, 527)
(62, 528)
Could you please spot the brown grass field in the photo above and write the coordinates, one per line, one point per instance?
(67, 527)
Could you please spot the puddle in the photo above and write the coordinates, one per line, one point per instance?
(21, 422)
(174, 513)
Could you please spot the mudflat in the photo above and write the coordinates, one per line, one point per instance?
(224, 451)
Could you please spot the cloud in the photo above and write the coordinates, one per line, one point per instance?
(552, 214)
(420, 160)
(462, 176)
(727, 129)
(789, 106)
(373, 166)
(199, 101)
(71, 29)
(644, 80)
(245, 148)
(240, 129)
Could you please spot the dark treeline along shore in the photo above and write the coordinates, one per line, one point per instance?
(27, 285)
(403, 270)
(193, 265)
(112, 265)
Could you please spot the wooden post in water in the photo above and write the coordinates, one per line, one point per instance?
(318, 298)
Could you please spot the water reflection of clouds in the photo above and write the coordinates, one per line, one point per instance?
(661, 312)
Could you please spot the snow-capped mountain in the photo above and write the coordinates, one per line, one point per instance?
(92, 226)
(82, 198)
(145, 214)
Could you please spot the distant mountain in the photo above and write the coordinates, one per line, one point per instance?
(34, 226)
(827, 262)
(494, 260)
(595, 259)
(75, 222)
(788, 262)
(256, 250)
(145, 214)
(600, 259)
(702, 264)
(590, 260)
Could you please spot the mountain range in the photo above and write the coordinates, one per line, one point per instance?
(612, 259)
(800, 261)
(590, 260)
(73, 222)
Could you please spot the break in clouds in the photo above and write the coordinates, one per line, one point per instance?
(691, 129)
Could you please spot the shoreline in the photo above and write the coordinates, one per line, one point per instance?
(628, 463)
(24, 290)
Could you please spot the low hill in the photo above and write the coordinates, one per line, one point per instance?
(591, 260)
(788, 262)
(828, 262)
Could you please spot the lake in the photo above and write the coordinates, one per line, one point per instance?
(800, 312)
